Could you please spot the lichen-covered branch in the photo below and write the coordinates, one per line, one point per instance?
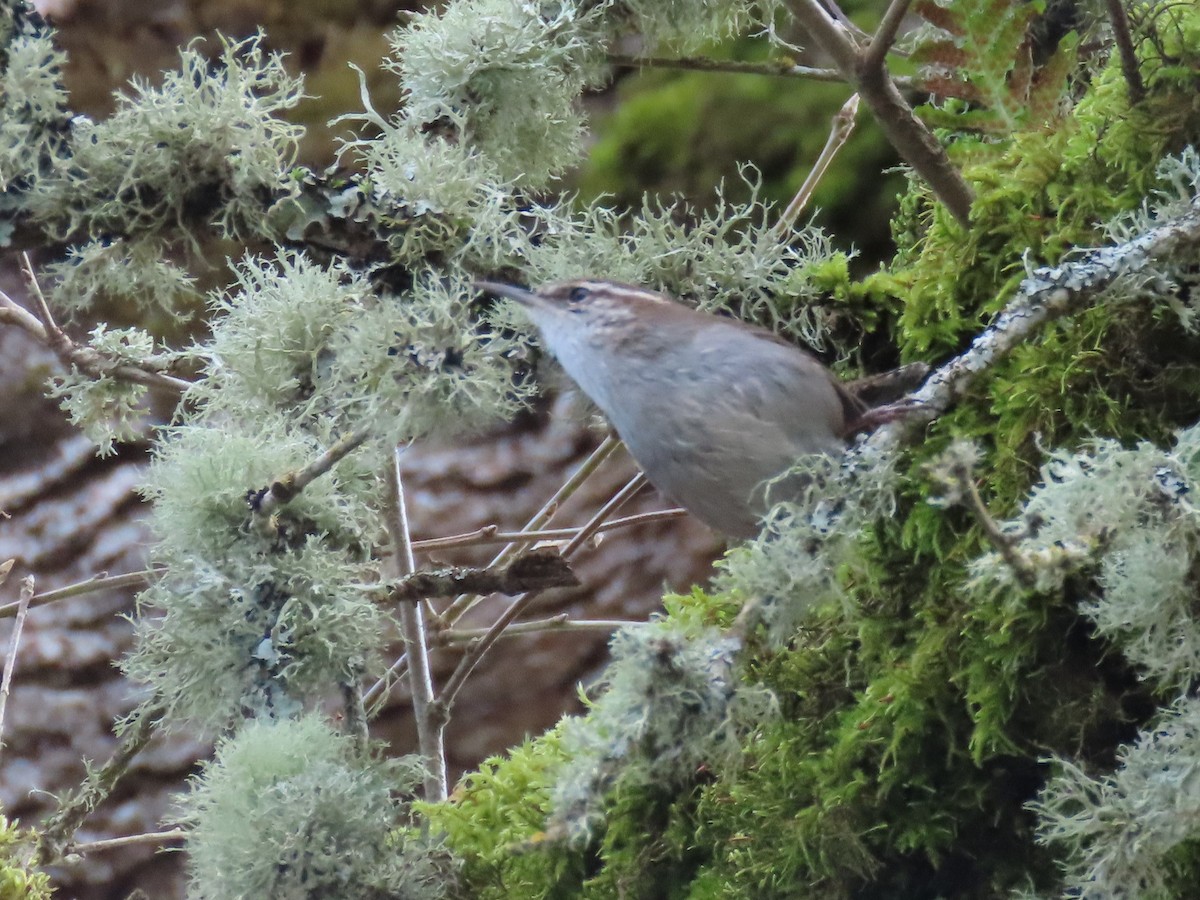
(535, 570)
(1047, 294)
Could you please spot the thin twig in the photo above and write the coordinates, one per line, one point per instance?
(10, 663)
(476, 651)
(885, 34)
(561, 622)
(533, 570)
(524, 540)
(774, 68)
(489, 534)
(586, 469)
(91, 585)
(779, 68)
(398, 667)
(842, 126)
(430, 716)
(912, 140)
(1124, 42)
(150, 837)
(286, 487)
(954, 472)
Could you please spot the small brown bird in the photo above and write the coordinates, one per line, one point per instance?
(711, 408)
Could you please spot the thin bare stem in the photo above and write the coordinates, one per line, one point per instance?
(98, 583)
(912, 140)
(150, 837)
(536, 569)
(525, 538)
(430, 717)
(1124, 42)
(885, 34)
(286, 487)
(560, 622)
(489, 534)
(10, 663)
(586, 469)
(46, 331)
(395, 670)
(476, 651)
(779, 68)
(841, 128)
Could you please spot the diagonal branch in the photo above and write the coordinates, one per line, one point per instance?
(866, 72)
(1047, 294)
(536, 570)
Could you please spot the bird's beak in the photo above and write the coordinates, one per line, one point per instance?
(525, 297)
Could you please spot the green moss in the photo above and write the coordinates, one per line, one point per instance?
(913, 725)
(19, 880)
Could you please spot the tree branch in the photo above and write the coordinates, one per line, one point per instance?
(1129, 61)
(430, 716)
(85, 359)
(912, 140)
(60, 828)
(286, 487)
(1047, 294)
(840, 130)
(535, 570)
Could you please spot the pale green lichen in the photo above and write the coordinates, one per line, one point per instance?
(203, 148)
(294, 810)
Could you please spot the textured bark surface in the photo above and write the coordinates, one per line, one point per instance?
(72, 516)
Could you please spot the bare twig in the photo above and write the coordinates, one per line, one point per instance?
(476, 651)
(776, 68)
(152, 837)
(98, 583)
(10, 663)
(1124, 41)
(398, 667)
(430, 716)
(585, 471)
(490, 534)
(286, 487)
(534, 570)
(523, 540)
(912, 140)
(783, 68)
(885, 34)
(954, 472)
(561, 622)
(841, 129)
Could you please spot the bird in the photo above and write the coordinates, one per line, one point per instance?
(710, 408)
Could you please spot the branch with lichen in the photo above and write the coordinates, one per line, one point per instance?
(535, 570)
(1048, 293)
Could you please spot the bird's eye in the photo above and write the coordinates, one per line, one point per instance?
(577, 295)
